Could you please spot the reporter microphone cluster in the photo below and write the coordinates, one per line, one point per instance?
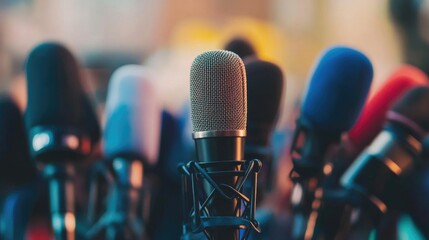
(355, 161)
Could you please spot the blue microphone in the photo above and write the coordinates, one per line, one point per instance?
(334, 99)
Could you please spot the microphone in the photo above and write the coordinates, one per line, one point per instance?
(375, 181)
(333, 101)
(17, 174)
(241, 47)
(417, 194)
(264, 95)
(219, 117)
(368, 125)
(373, 116)
(56, 122)
(131, 140)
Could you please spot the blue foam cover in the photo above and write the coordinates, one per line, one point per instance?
(337, 90)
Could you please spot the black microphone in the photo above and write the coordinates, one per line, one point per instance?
(417, 193)
(264, 95)
(18, 174)
(219, 116)
(241, 47)
(375, 181)
(59, 127)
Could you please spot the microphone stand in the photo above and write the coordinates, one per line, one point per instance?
(61, 189)
(309, 149)
(121, 220)
(199, 216)
(375, 181)
(124, 200)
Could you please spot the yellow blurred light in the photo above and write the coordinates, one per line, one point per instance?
(268, 40)
(70, 222)
(195, 33)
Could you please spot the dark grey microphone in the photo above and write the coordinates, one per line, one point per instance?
(219, 115)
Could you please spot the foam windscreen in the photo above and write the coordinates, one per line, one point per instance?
(218, 92)
(241, 47)
(337, 89)
(133, 115)
(373, 115)
(54, 88)
(264, 94)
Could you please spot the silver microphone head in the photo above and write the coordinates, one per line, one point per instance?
(218, 95)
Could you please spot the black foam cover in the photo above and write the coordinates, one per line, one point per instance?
(54, 88)
(264, 94)
(241, 47)
(16, 168)
(405, 12)
(55, 93)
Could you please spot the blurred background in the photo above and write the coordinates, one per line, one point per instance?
(168, 34)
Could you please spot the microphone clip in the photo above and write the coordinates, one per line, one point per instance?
(198, 177)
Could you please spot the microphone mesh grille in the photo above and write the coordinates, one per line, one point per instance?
(218, 92)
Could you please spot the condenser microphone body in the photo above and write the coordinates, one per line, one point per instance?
(374, 182)
(57, 125)
(265, 84)
(335, 95)
(219, 115)
(131, 140)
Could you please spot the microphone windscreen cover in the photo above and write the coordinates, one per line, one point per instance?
(53, 88)
(133, 115)
(264, 95)
(218, 92)
(241, 47)
(373, 115)
(337, 90)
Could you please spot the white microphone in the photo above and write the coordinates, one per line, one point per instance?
(133, 115)
(131, 139)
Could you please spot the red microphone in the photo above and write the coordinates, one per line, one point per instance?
(373, 115)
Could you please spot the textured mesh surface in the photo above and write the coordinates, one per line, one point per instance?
(218, 92)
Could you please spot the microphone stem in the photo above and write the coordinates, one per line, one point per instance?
(220, 149)
(124, 200)
(61, 191)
